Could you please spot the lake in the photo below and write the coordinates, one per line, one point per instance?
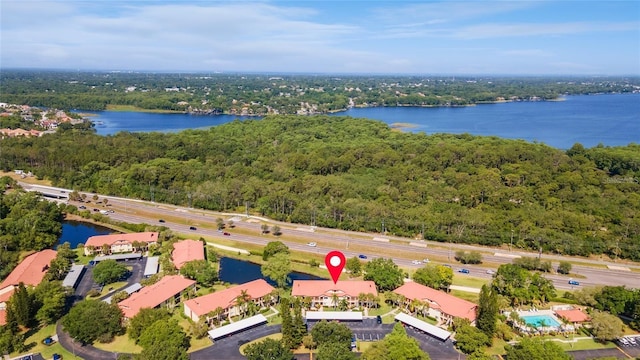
(612, 120)
(231, 270)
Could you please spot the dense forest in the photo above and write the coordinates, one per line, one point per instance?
(261, 94)
(359, 174)
(27, 223)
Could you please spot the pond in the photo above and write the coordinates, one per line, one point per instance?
(75, 232)
(238, 272)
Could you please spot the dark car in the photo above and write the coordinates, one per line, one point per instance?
(57, 357)
(362, 256)
(96, 209)
(464, 271)
(192, 228)
(82, 207)
(226, 234)
(573, 282)
(242, 342)
(379, 319)
(161, 220)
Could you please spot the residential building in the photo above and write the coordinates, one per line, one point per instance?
(166, 292)
(326, 293)
(573, 315)
(30, 272)
(185, 251)
(442, 306)
(119, 243)
(233, 301)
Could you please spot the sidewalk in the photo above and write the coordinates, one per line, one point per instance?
(465, 289)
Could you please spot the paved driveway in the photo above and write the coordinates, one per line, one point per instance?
(437, 349)
(228, 348)
(87, 352)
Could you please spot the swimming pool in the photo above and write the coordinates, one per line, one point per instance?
(538, 320)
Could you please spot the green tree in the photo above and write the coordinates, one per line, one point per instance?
(108, 271)
(487, 311)
(201, 271)
(288, 330)
(268, 349)
(299, 327)
(564, 267)
(275, 230)
(331, 332)
(606, 327)
(50, 298)
(614, 299)
(334, 351)
(274, 247)
(469, 339)
(384, 273)
(354, 266)
(434, 276)
(89, 320)
(536, 349)
(21, 306)
(144, 319)
(278, 269)
(396, 345)
(164, 340)
(471, 257)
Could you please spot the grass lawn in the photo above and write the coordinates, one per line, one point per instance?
(35, 341)
(277, 336)
(470, 281)
(383, 309)
(588, 344)
(120, 344)
(466, 295)
(497, 348)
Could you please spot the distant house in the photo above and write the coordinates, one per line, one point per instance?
(19, 132)
(185, 251)
(30, 272)
(119, 243)
(257, 291)
(326, 293)
(166, 292)
(442, 306)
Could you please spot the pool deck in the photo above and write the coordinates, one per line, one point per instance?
(527, 328)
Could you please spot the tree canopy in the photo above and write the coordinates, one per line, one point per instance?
(434, 276)
(384, 272)
(536, 349)
(90, 320)
(277, 269)
(108, 271)
(396, 345)
(268, 349)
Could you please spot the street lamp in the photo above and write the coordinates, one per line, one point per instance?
(511, 242)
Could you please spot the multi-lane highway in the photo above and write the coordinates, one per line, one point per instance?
(589, 272)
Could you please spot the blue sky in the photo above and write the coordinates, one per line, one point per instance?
(399, 37)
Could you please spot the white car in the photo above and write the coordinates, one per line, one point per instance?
(416, 262)
(312, 244)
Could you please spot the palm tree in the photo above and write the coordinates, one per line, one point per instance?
(362, 297)
(334, 300)
(344, 305)
(214, 315)
(242, 300)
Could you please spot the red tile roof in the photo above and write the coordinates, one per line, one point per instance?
(187, 250)
(154, 295)
(316, 288)
(99, 240)
(573, 315)
(446, 303)
(3, 317)
(5, 294)
(31, 270)
(226, 298)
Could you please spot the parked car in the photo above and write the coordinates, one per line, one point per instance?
(379, 319)
(57, 357)
(312, 244)
(573, 282)
(193, 228)
(464, 271)
(361, 256)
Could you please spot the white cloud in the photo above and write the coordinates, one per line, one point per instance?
(486, 31)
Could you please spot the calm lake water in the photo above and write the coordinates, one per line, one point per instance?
(75, 232)
(612, 120)
(231, 270)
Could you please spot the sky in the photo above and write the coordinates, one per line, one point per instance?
(566, 37)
